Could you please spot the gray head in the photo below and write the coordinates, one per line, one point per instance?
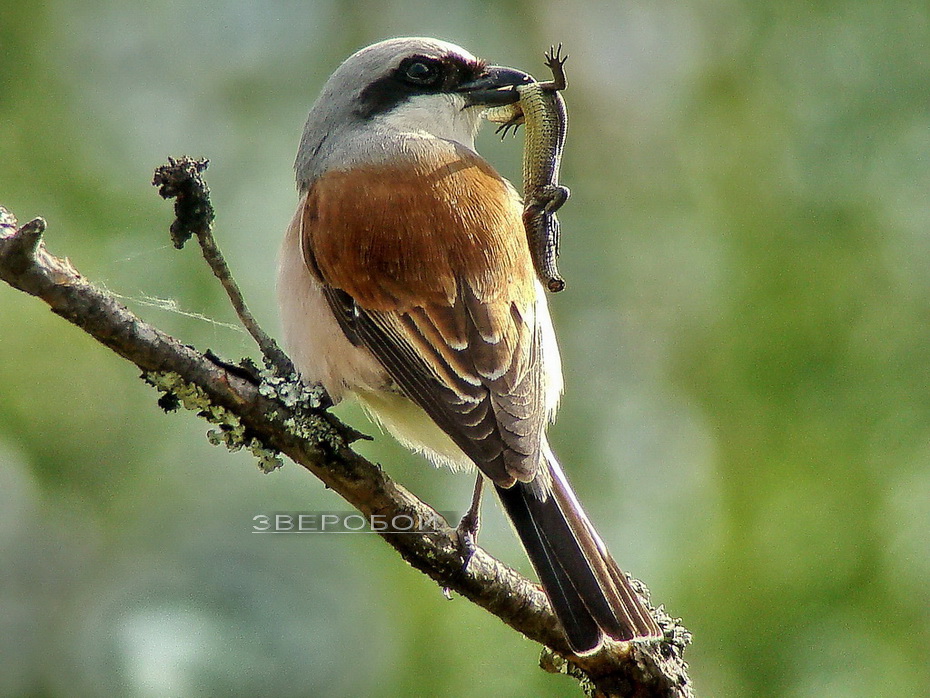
(394, 90)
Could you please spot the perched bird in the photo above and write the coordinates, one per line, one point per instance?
(405, 282)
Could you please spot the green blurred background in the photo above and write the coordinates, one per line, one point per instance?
(744, 337)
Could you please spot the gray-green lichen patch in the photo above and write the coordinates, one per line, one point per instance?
(268, 459)
(301, 399)
(314, 430)
(290, 391)
(231, 432)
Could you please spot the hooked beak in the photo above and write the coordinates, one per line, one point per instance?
(496, 87)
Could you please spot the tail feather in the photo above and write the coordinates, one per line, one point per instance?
(589, 593)
(579, 625)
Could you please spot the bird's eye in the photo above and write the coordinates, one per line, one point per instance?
(421, 72)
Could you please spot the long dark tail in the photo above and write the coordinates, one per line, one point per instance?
(591, 596)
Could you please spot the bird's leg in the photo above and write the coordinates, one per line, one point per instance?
(467, 529)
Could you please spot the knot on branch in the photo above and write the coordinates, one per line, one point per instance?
(181, 180)
(20, 245)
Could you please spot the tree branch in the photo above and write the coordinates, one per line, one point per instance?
(272, 414)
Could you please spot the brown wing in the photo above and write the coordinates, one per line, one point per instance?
(427, 265)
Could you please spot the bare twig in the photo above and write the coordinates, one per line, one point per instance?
(181, 180)
(274, 416)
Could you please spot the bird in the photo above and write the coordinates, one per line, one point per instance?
(405, 283)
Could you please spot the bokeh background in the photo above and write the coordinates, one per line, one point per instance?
(745, 339)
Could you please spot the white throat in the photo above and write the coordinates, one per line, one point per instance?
(440, 115)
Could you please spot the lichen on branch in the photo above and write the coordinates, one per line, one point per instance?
(231, 432)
